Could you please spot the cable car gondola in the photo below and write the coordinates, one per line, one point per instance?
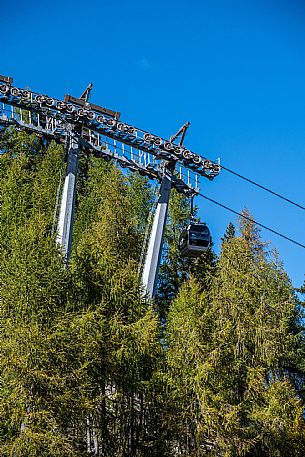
(195, 239)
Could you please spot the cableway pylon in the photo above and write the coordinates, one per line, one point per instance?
(99, 131)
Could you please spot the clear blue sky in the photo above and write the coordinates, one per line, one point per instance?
(235, 70)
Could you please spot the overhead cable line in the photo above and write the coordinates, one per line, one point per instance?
(263, 187)
(252, 220)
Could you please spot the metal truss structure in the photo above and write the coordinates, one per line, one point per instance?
(99, 131)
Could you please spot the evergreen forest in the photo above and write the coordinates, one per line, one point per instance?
(89, 367)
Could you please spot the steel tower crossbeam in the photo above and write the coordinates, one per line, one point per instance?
(133, 162)
(104, 122)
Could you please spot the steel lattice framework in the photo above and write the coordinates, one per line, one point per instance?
(103, 134)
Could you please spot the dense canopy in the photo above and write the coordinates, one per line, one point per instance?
(88, 366)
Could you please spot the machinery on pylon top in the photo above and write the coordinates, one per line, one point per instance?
(48, 115)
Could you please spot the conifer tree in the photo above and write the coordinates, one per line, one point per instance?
(33, 297)
(230, 351)
(82, 368)
(79, 346)
(122, 346)
(229, 233)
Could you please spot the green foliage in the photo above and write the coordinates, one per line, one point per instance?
(229, 233)
(104, 269)
(33, 297)
(230, 354)
(82, 367)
